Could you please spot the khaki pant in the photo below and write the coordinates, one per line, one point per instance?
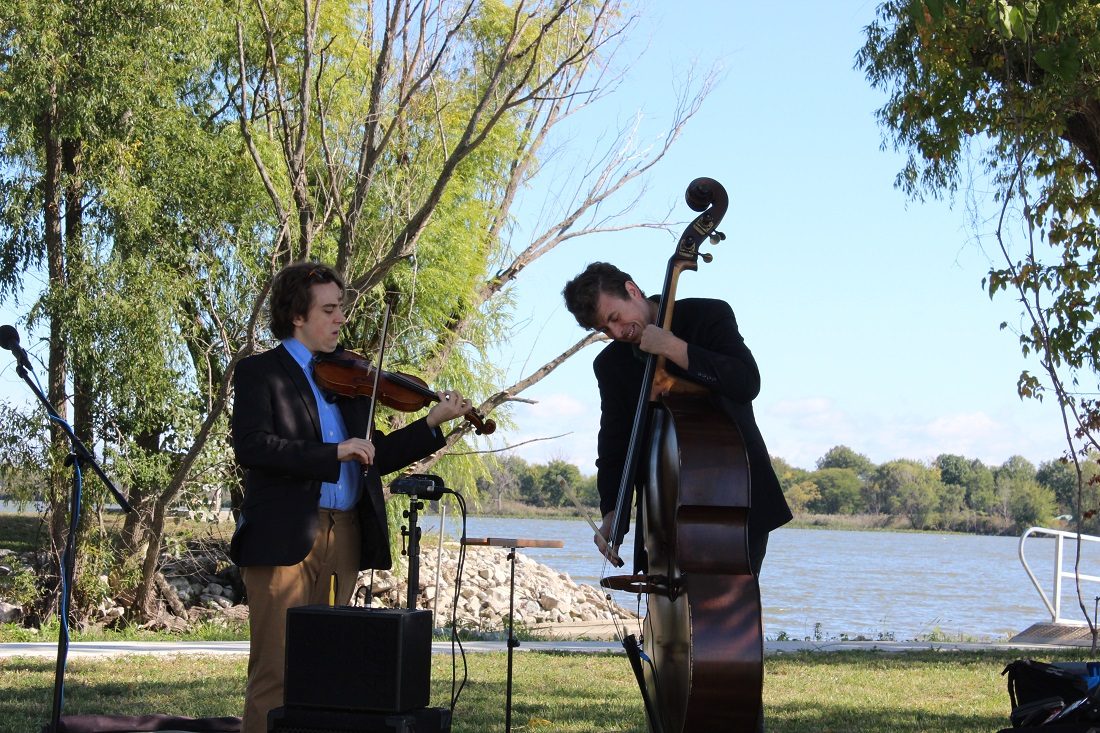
(274, 589)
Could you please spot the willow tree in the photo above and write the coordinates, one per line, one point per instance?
(391, 139)
(112, 164)
(1011, 89)
(394, 139)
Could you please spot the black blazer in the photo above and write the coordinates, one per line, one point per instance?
(276, 435)
(718, 359)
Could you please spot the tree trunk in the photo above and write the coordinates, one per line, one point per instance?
(59, 483)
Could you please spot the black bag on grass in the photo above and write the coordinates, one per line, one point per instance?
(1045, 695)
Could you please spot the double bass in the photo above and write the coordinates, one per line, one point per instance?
(699, 663)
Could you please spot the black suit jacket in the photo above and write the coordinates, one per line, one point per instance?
(718, 359)
(277, 441)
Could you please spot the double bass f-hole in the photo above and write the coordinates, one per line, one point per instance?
(702, 634)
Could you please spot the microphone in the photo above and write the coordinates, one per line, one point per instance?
(423, 485)
(9, 339)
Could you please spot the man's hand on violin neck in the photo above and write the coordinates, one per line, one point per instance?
(451, 405)
(356, 449)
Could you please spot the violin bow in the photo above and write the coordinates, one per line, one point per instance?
(390, 297)
(605, 546)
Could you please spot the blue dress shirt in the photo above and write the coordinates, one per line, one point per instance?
(343, 494)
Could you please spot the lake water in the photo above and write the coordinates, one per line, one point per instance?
(819, 583)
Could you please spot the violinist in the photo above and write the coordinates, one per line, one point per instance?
(313, 514)
(704, 346)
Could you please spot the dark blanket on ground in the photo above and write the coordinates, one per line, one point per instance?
(134, 723)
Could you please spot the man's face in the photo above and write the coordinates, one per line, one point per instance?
(623, 319)
(319, 329)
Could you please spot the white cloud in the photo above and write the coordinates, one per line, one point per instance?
(556, 426)
(801, 431)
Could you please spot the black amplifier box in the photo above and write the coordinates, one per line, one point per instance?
(365, 659)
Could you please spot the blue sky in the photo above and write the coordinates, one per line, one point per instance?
(865, 311)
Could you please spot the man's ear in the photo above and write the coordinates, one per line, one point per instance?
(633, 290)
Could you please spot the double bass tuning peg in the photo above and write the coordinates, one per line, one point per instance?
(706, 257)
(716, 237)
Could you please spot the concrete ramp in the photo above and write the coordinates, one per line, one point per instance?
(1057, 634)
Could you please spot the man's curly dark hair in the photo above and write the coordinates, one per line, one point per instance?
(583, 292)
(292, 294)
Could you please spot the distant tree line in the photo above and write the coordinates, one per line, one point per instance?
(952, 492)
(511, 478)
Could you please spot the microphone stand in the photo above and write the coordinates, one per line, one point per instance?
(79, 457)
(412, 532)
(418, 487)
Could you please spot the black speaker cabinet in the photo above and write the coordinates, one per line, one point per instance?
(369, 659)
(312, 720)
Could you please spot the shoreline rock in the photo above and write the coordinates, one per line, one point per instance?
(543, 595)
(201, 585)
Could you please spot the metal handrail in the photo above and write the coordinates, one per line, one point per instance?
(1060, 536)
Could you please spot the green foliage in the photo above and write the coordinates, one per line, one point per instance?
(1007, 88)
(20, 584)
(910, 489)
(838, 491)
(973, 476)
(159, 173)
(1029, 503)
(22, 453)
(1015, 468)
(841, 456)
(1060, 477)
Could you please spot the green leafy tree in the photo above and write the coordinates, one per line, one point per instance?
(1015, 467)
(953, 469)
(841, 456)
(530, 485)
(802, 496)
(554, 473)
(1006, 89)
(838, 491)
(1059, 477)
(975, 478)
(800, 492)
(786, 472)
(588, 492)
(238, 138)
(87, 199)
(909, 488)
(1029, 503)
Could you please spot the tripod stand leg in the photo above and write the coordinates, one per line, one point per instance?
(512, 642)
(68, 563)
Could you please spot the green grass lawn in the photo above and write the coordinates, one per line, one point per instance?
(805, 692)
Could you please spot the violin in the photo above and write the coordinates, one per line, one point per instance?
(348, 374)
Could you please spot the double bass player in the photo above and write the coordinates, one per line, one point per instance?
(703, 346)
